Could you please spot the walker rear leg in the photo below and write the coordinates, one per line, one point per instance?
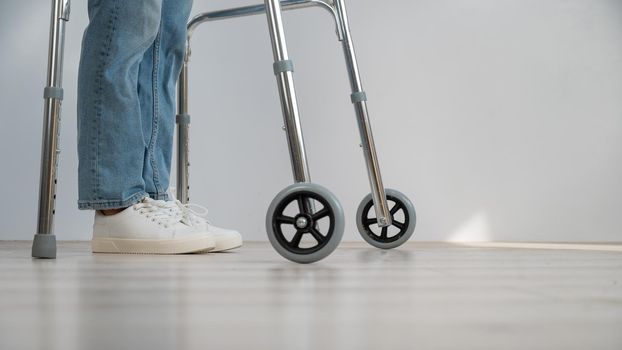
(44, 243)
(183, 129)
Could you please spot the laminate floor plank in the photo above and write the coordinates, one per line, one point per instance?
(420, 296)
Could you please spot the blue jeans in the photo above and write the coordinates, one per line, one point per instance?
(132, 52)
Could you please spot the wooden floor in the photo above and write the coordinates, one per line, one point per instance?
(422, 296)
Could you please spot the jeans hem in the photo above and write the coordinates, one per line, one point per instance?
(111, 204)
(160, 196)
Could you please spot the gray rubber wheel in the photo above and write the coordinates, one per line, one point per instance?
(403, 216)
(305, 222)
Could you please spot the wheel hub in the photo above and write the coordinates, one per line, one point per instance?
(302, 222)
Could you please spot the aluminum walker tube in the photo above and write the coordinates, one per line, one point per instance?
(44, 244)
(183, 126)
(360, 105)
(283, 68)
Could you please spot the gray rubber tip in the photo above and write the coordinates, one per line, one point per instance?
(44, 246)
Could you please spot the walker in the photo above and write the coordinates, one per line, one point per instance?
(305, 221)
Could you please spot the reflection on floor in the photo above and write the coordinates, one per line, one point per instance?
(421, 296)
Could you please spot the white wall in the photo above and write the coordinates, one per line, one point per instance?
(501, 119)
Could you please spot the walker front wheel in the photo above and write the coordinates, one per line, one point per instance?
(305, 222)
(403, 219)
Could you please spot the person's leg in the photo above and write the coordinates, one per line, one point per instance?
(168, 52)
(159, 71)
(111, 146)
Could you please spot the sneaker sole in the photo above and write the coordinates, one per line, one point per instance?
(145, 246)
(227, 244)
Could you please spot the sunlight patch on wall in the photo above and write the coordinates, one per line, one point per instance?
(476, 229)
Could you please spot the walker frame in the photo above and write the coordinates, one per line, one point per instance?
(303, 191)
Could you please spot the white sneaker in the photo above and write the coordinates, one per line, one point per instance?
(225, 239)
(148, 227)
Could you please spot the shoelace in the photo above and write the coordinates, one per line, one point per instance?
(159, 211)
(187, 211)
(199, 213)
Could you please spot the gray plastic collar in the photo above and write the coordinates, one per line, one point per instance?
(283, 66)
(53, 92)
(183, 119)
(359, 96)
